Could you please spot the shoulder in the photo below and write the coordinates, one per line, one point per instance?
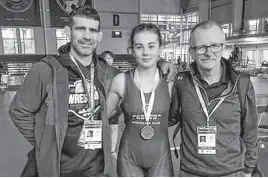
(119, 78)
(244, 75)
(45, 66)
(42, 67)
(113, 70)
(118, 84)
(244, 78)
(182, 75)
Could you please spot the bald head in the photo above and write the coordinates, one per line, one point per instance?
(206, 25)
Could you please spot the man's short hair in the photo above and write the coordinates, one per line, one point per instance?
(86, 12)
(104, 53)
(204, 25)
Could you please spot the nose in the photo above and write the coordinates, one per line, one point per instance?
(209, 52)
(87, 34)
(145, 51)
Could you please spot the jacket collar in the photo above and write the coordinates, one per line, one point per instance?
(229, 72)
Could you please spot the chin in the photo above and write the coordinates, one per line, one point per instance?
(146, 65)
(207, 66)
(86, 52)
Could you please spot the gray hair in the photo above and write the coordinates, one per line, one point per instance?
(205, 25)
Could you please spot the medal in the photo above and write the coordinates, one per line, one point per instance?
(147, 132)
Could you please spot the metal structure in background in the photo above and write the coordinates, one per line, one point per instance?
(43, 20)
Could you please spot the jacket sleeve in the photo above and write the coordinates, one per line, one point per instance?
(174, 114)
(249, 129)
(27, 102)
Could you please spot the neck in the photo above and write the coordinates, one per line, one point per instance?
(211, 76)
(147, 78)
(147, 72)
(84, 60)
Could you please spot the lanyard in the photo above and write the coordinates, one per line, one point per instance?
(202, 102)
(147, 112)
(89, 89)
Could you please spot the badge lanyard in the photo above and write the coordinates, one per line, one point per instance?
(89, 91)
(202, 102)
(147, 112)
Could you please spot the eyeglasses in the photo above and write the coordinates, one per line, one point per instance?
(215, 48)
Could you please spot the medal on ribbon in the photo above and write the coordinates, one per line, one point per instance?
(147, 132)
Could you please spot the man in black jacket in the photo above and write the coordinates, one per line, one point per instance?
(62, 99)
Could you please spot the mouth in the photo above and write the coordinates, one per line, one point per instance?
(86, 45)
(146, 59)
(207, 60)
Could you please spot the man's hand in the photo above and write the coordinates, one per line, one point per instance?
(114, 155)
(168, 68)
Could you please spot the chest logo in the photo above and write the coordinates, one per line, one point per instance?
(78, 99)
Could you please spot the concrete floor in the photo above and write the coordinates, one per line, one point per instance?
(14, 147)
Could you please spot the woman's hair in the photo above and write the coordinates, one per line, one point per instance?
(144, 27)
(104, 53)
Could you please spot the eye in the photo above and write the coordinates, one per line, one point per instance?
(200, 47)
(216, 45)
(92, 30)
(79, 28)
(151, 46)
(138, 47)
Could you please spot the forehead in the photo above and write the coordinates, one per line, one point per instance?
(207, 36)
(85, 22)
(145, 37)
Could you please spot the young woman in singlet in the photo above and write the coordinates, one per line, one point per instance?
(145, 96)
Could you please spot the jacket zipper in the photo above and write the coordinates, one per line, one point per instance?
(204, 91)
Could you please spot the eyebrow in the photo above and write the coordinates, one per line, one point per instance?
(149, 43)
(83, 27)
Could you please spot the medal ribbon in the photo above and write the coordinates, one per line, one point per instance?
(147, 112)
(89, 91)
(202, 102)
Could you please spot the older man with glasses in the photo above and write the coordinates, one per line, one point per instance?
(217, 110)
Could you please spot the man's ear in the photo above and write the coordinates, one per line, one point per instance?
(223, 46)
(190, 52)
(100, 36)
(67, 31)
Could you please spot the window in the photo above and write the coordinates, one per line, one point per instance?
(253, 26)
(263, 56)
(62, 39)
(226, 29)
(18, 40)
(10, 41)
(27, 41)
(170, 26)
(249, 59)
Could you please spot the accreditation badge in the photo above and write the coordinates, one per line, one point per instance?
(91, 135)
(206, 136)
